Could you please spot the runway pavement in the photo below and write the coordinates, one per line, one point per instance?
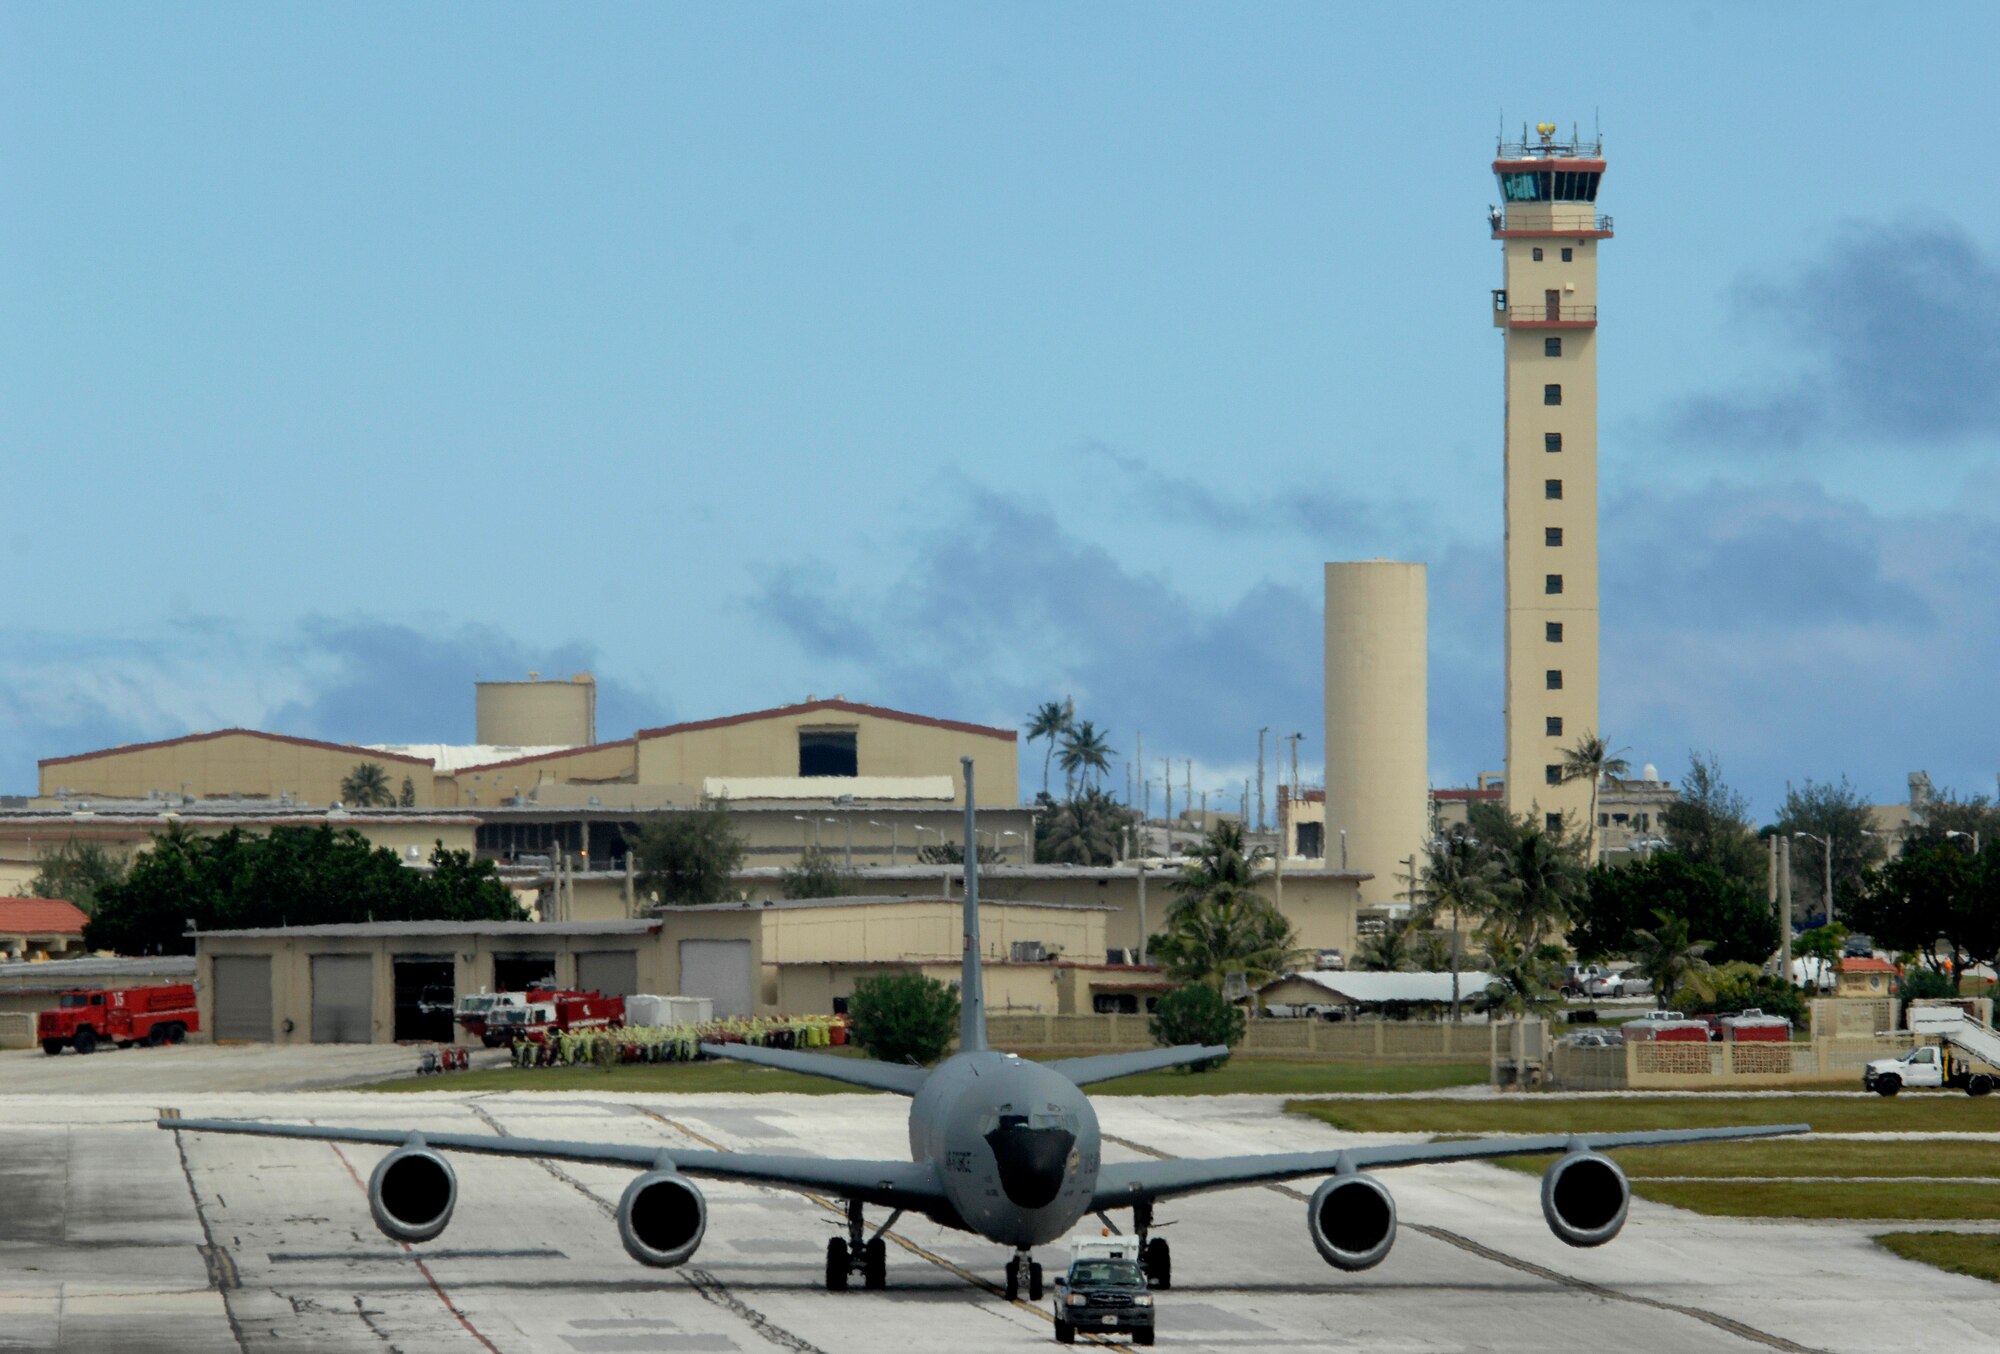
(115, 1235)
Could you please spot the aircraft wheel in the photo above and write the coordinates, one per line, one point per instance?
(52, 1046)
(86, 1041)
(875, 1264)
(1888, 1084)
(1159, 1265)
(1981, 1084)
(1034, 1281)
(1013, 1280)
(1065, 1333)
(836, 1265)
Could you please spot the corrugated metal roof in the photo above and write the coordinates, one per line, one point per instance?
(1366, 989)
(449, 757)
(380, 929)
(899, 899)
(74, 972)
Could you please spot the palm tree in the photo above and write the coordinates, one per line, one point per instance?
(1523, 979)
(1592, 758)
(1389, 951)
(1051, 720)
(1667, 956)
(1211, 939)
(367, 787)
(1463, 877)
(1222, 869)
(1540, 881)
(1085, 752)
(1083, 830)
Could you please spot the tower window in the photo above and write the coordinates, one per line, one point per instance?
(1553, 774)
(1552, 394)
(1538, 253)
(1552, 725)
(1554, 678)
(1553, 584)
(1568, 256)
(1552, 488)
(1552, 347)
(1552, 535)
(1552, 631)
(1552, 441)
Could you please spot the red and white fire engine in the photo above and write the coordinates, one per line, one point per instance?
(87, 1016)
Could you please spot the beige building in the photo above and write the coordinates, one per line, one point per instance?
(1549, 230)
(227, 764)
(1377, 743)
(537, 713)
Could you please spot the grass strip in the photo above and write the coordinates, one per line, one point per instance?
(1942, 1112)
(1866, 1199)
(1971, 1253)
(1240, 1076)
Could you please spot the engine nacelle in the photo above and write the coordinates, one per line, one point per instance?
(1585, 1197)
(661, 1218)
(412, 1193)
(1352, 1219)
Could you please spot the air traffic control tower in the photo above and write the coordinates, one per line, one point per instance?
(1549, 229)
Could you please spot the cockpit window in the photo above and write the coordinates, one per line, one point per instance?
(1008, 1121)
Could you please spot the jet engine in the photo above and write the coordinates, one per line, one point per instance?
(661, 1218)
(412, 1193)
(1584, 1197)
(1353, 1221)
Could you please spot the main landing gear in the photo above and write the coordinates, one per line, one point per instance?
(1154, 1256)
(851, 1255)
(1016, 1268)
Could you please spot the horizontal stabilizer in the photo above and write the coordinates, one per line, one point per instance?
(1084, 1071)
(901, 1079)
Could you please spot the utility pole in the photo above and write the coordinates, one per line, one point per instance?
(1260, 776)
(1294, 739)
(1168, 763)
(1138, 772)
(1784, 846)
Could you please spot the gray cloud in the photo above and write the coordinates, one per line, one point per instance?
(1207, 503)
(1898, 331)
(346, 679)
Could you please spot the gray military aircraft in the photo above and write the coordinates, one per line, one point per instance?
(1000, 1146)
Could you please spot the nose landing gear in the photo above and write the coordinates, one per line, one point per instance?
(1018, 1268)
(1155, 1258)
(850, 1255)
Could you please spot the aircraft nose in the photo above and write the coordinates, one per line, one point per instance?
(1032, 1162)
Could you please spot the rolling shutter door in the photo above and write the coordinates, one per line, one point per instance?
(720, 970)
(615, 973)
(343, 998)
(243, 996)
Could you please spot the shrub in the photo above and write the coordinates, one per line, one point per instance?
(1197, 1014)
(1918, 981)
(903, 1017)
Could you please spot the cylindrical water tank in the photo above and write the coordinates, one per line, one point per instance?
(1377, 743)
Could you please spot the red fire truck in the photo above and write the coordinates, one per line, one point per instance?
(86, 1017)
(544, 1013)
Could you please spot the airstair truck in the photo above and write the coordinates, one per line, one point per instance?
(1966, 1056)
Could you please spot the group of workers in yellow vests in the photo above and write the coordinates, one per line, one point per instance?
(602, 1047)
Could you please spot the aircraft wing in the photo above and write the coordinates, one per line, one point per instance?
(1084, 1071)
(898, 1184)
(897, 1077)
(1121, 1184)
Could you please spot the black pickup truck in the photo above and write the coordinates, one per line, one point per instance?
(1103, 1293)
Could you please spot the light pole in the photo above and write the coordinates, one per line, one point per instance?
(802, 836)
(847, 858)
(892, 838)
(996, 842)
(1973, 837)
(1260, 776)
(1826, 852)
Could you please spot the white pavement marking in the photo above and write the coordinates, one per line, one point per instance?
(534, 1267)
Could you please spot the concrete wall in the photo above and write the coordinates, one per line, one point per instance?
(235, 762)
(810, 989)
(1377, 744)
(768, 745)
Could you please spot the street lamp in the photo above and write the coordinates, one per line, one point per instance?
(892, 838)
(1973, 837)
(802, 841)
(1826, 853)
(996, 842)
(847, 860)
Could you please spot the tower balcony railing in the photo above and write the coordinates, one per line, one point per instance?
(1547, 314)
(1598, 224)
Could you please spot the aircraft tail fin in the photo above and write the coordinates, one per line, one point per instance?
(971, 983)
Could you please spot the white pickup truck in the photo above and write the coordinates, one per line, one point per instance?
(1924, 1067)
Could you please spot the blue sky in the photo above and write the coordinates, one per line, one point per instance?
(955, 356)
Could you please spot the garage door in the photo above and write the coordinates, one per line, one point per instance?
(720, 970)
(615, 973)
(343, 997)
(425, 996)
(243, 996)
(519, 972)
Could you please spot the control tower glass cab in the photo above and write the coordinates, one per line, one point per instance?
(1550, 185)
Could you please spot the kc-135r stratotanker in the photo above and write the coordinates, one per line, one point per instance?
(1000, 1146)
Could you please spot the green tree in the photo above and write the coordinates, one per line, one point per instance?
(367, 787)
(1050, 722)
(818, 874)
(1947, 818)
(293, 876)
(1086, 829)
(1086, 754)
(78, 872)
(691, 856)
(1461, 881)
(1738, 987)
(1197, 1014)
(1390, 950)
(953, 853)
(1208, 939)
(1223, 868)
(1592, 759)
(1918, 983)
(1523, 978)
(1834, 812)
(1667, 955)
(1541, 881)
(903, 1017)
(407, 797)
(1709, 824)
(1931, 894)
(1618, 900)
